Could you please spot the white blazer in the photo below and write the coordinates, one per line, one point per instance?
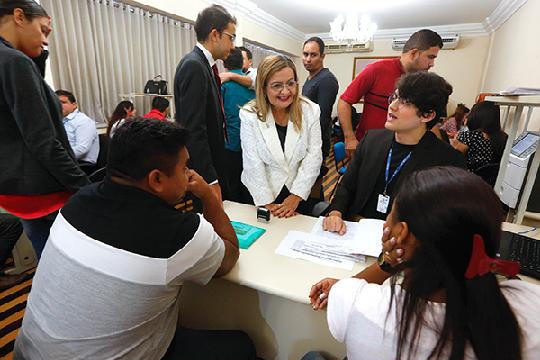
(267, 167)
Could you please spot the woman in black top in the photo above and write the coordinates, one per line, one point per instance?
(484, 142)
(39, 171)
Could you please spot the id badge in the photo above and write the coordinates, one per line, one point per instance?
(382, 204)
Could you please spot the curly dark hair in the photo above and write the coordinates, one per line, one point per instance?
(428, 91)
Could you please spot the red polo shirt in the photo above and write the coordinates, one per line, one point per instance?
(375, 84)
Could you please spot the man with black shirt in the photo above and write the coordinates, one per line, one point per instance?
(321, 87)
(384, 157)
(118, 254)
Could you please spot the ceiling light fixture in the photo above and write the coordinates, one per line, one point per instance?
(347, 29)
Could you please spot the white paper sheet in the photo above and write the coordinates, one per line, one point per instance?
(324, 251)
(363, 237)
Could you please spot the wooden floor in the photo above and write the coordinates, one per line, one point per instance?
(13, 300)
(12, 306)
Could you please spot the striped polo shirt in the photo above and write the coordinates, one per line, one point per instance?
(108, 283)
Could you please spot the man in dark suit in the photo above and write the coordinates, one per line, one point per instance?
(385, 157)
(197, 96)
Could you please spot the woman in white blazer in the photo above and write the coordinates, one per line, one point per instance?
(280, 136)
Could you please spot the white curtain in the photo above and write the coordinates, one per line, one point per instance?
(101, 49)
(259, 52)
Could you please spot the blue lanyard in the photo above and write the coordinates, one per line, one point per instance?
(398, 169)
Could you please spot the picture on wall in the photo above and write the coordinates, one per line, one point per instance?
(360, 63)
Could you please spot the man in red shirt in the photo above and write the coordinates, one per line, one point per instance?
(377, 81)
(160, 109)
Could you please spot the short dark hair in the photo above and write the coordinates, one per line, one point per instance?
(248, 52)
(235, 60)
(30, 8)
(213, 17)
(67, 94)
(427, 91)
(160, 103)
(319, 42)
(423, 40)
(142, 145)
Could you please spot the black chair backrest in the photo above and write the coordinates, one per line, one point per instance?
(103, 151)
(98, 175)
(488, 172)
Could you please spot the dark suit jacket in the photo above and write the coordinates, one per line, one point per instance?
(198, 109)
(370, 158)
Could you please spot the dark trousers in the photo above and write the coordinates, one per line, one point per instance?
(10, 231)
(305, 207)
(237, 191)
(189, 344)
(326, 134)
(38, 230)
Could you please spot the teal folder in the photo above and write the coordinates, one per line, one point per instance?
(247, 234)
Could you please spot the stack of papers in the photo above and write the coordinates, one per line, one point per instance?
(331, 249)
(324, 251)
(515, 91)
(363, 237)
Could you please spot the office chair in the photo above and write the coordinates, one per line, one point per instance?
(339, 156)
(103, 151)
(340, 159)
(98, 175)
(488, 173)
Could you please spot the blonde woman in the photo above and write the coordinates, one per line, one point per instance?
(281, 141)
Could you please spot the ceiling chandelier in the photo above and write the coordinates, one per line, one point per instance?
(348, 30)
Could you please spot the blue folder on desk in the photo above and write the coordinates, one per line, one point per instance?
(247, 234)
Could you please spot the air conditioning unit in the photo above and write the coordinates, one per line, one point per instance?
(450, 41)
(346, 48)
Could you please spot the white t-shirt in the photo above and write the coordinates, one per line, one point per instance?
(357, 313)
(116, 126)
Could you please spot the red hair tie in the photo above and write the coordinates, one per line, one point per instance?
(480, 264)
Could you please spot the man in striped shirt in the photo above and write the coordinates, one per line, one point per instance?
(108, 283)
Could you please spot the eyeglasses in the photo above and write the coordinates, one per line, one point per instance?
(233, 37)
(278, 87)
(401, 101)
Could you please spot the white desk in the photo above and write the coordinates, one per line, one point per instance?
(266, 294)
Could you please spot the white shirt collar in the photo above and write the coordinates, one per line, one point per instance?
(72, 115)
(206, 53)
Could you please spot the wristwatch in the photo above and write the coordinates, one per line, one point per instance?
(386, 267)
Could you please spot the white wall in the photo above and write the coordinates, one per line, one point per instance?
(462, 67)
(245, 27)
(515, 54)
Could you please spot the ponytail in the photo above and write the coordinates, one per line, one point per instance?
(493, 328)
(447, 259)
